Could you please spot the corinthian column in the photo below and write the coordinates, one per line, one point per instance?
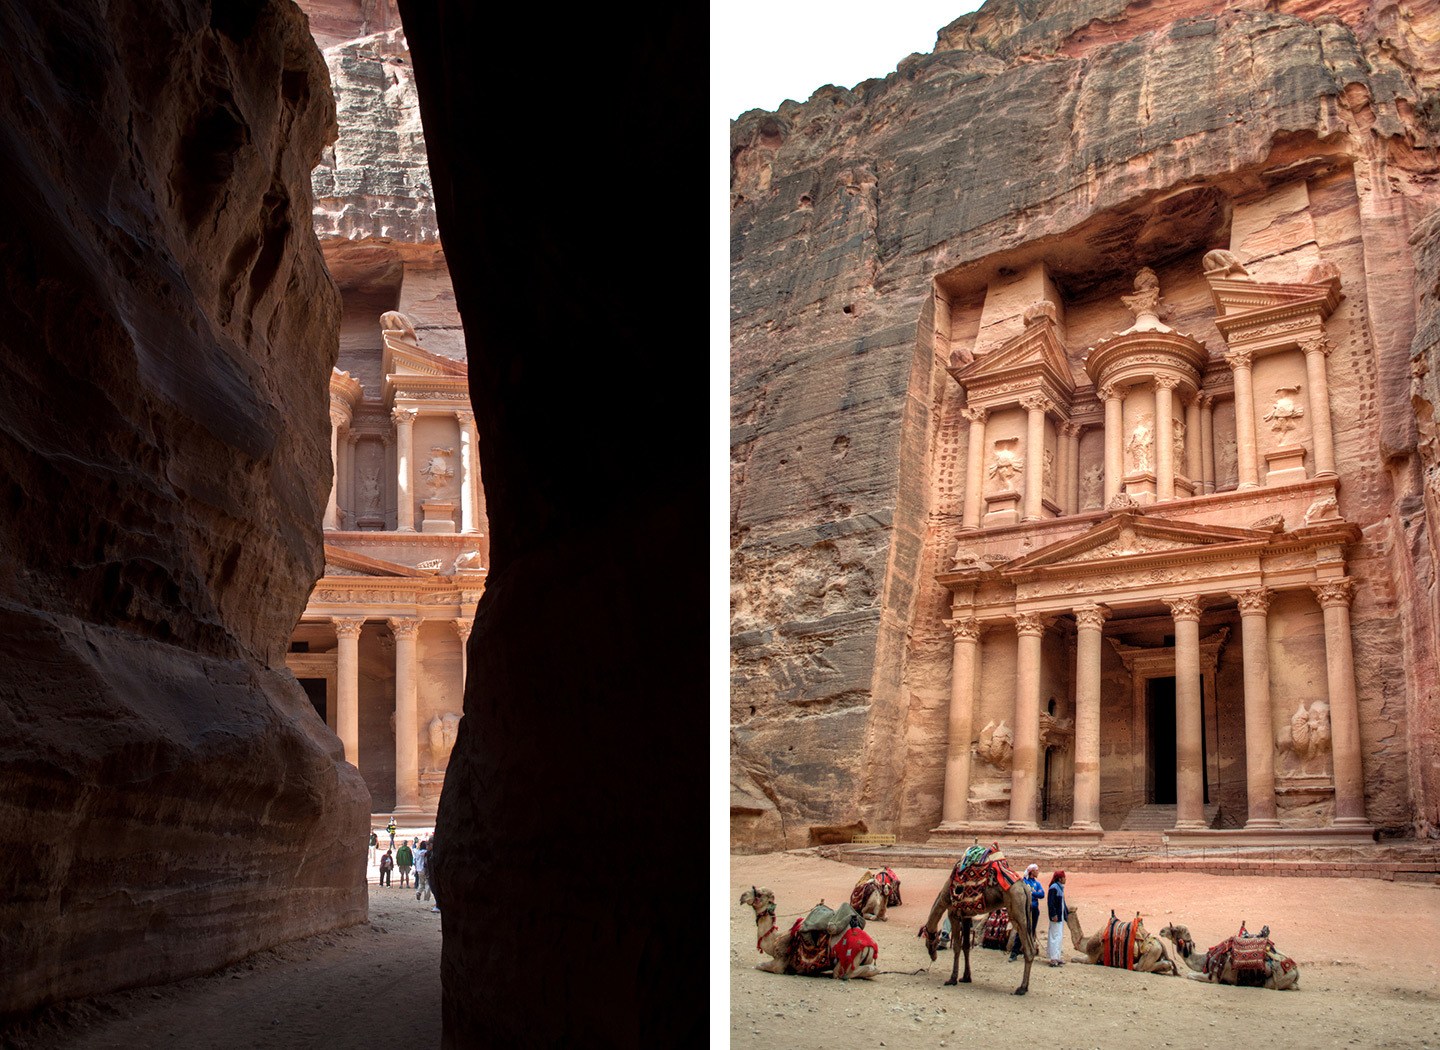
(964, 663)
(1259, 724)
(1023, 774)
(1334, 597)
(1036, 407)
(332, 507)
(1072, 469)
(1207, 441)
(467, 472)
(1316, 351)
(1165, 437)
(1245, 442)
(347, 674)
(1090, 622)
(1193, 468)
(1189, 771)
(1114, 398)
(975, 467)
(462, 628)
(407, 728)
(404, 467)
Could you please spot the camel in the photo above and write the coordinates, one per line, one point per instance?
(1281, 972)
(1153, 954)
(1016, 901)
(869, 899)
(780, 945)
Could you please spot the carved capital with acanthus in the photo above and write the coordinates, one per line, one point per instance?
(975, 415)
(1111, 392)
(1334, 592)
(1091, 617)
(965, 628)
(1037, 403)
(1184, 607)
(462, 628)
(1166, 382)
(1318, 345)
(1071, 429)
(1238, 359)
(1205, 400)
(465, 419)
(404, 417)
(1032, 624)
(1254, 602)
(338, 417)
(348, 626)
(404, 626)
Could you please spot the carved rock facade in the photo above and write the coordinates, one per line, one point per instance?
(1113, 394)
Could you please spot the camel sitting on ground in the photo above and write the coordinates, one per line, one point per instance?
(1151, 953)
(780, 945)
(1016, 901)
(1280, 972)
(869, 898)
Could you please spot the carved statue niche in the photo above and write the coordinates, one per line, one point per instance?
(1140, 443)
(996, 744)
(1310, 730)
(437, 468)
(1177, 442)
(1047, 484)
(442, 738)
(1090, 485)
(1284, 412)
(1008, 464)
(1056, 732)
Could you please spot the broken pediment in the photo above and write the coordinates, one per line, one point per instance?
(1036, 355)
(1130, 535)
(1260, 316)
(342, 562)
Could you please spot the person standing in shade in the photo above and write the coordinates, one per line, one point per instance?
(1058, 914)
(404, 860)
(1037, 894)
(374, 846)
(387, 862)
(421, 883)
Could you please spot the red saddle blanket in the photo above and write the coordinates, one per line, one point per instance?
(861, 891)
(1117, 943)
(996, 933)
(848, 948)
(809, 952)
(968, 881)
(890, 883)
(1249, 955)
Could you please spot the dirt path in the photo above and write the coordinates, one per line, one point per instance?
(375, 984)
(1366, 949)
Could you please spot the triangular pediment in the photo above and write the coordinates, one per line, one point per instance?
(1038, 347)
(1132, 535)
(1235, 299)
(405, 358)
(342, 562)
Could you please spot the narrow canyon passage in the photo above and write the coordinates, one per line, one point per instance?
(374, 983)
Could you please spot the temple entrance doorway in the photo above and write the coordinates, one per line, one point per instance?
(1160, 732)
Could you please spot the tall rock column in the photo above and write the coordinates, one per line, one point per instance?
(1024, 772)
(1194, 468)
(1245, 441)
(347, 701)
(1090, 624)
(1322, 433)
(964, 665)
(404, 468)
(462, 628)
(1259, 723)
(1036, 407)
(1071, 479)
(1164, 437)
(975, 468)
(407, 725)
(332, 507)
(468, 463)
(1189, 768)
(1114, 398)
(1334, 597)
(1207, 442)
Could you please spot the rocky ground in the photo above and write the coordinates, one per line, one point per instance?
(372, 984)
(1366, 949)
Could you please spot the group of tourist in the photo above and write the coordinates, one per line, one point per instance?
(406, 860)
(1058, 911)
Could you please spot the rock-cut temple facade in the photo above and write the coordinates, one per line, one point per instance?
(1083, 461)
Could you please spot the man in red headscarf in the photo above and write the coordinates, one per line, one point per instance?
(1058, 913)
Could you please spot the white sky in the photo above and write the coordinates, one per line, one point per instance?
(765, 51)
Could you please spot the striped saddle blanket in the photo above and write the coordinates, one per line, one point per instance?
(980, 867)
(1120, 941)
(996, 932)
(1251, 957)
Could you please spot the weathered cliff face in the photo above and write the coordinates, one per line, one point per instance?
(170, 800)
(1099, 137)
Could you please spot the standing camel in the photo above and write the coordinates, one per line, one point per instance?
(1219, 965)
(1015, 900)
(1152, 954)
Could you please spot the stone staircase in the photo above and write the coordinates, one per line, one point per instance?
(1153, 818)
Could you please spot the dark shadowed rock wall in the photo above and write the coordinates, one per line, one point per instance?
(169, 800)
(580, 766)
(1098, 135)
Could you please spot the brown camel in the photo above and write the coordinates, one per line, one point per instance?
(779, 945)
(1015, 900)
(869, 899)
(1152, 954)
(1281, 972)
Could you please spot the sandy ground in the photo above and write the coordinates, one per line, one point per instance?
(372, 985)
(1367, 950)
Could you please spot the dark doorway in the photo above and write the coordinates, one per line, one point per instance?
(315, 690)
(1160, 731)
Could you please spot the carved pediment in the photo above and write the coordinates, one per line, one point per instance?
(1264, 317)
(342, 562)
(1130, 535)
(1036, 352)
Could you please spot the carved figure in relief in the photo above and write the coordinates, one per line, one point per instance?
(1227, 462)
(437, 468)
(1284, 412)
(395, 321)
(1323, 509)
(1177, 442)
(996, 744)
(1007, 464)
(442, 738)
(1140, 443)
(1047, 484)
(1221, 263)
(1090, 485)
(1310, 730)
(370, 485)
(1056, 732)
(468, 560)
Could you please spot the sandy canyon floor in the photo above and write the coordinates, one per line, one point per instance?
(1369, 953)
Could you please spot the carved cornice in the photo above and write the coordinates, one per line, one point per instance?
(1253, 602)
(1184, 607)
(1334, 592)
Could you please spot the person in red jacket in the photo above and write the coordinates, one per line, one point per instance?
(387, 864)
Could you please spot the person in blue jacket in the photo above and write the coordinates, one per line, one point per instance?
(1058, 914)
(1037, 894)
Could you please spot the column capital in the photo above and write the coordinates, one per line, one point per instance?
(1166, 382)
(404, 626)
(1091, 617)
(1113, 392)
(965, 628)
(1037, 403)
(465, 419)
(1238, 359)
(347, 626)
(1254, 602)
(404, 417)
(1334, 592)
(975, 415)
(462, 628)
(338, 417)
(1318, 345)
(1071, 429)
(1205, 400)
(1030, 624)
(1184, 607)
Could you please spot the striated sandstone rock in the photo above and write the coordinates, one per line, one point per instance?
(170, 802)
(1100, 137)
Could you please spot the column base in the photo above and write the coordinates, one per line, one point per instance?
(1283, 836)
(1262, 824)
(1190, 825)
(1354, 823)
(1326, 474)
(1019, 827)
(405, 528)
(1086, 825)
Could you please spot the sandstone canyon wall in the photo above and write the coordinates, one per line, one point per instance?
(1098, 136)
(170, 801)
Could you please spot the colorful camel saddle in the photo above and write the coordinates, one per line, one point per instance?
(981, 866)
(848, 948)
(1252, 957)
(1122, 943)
(862, 890)
(890, 883)
(812, 936)
(996, 932)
